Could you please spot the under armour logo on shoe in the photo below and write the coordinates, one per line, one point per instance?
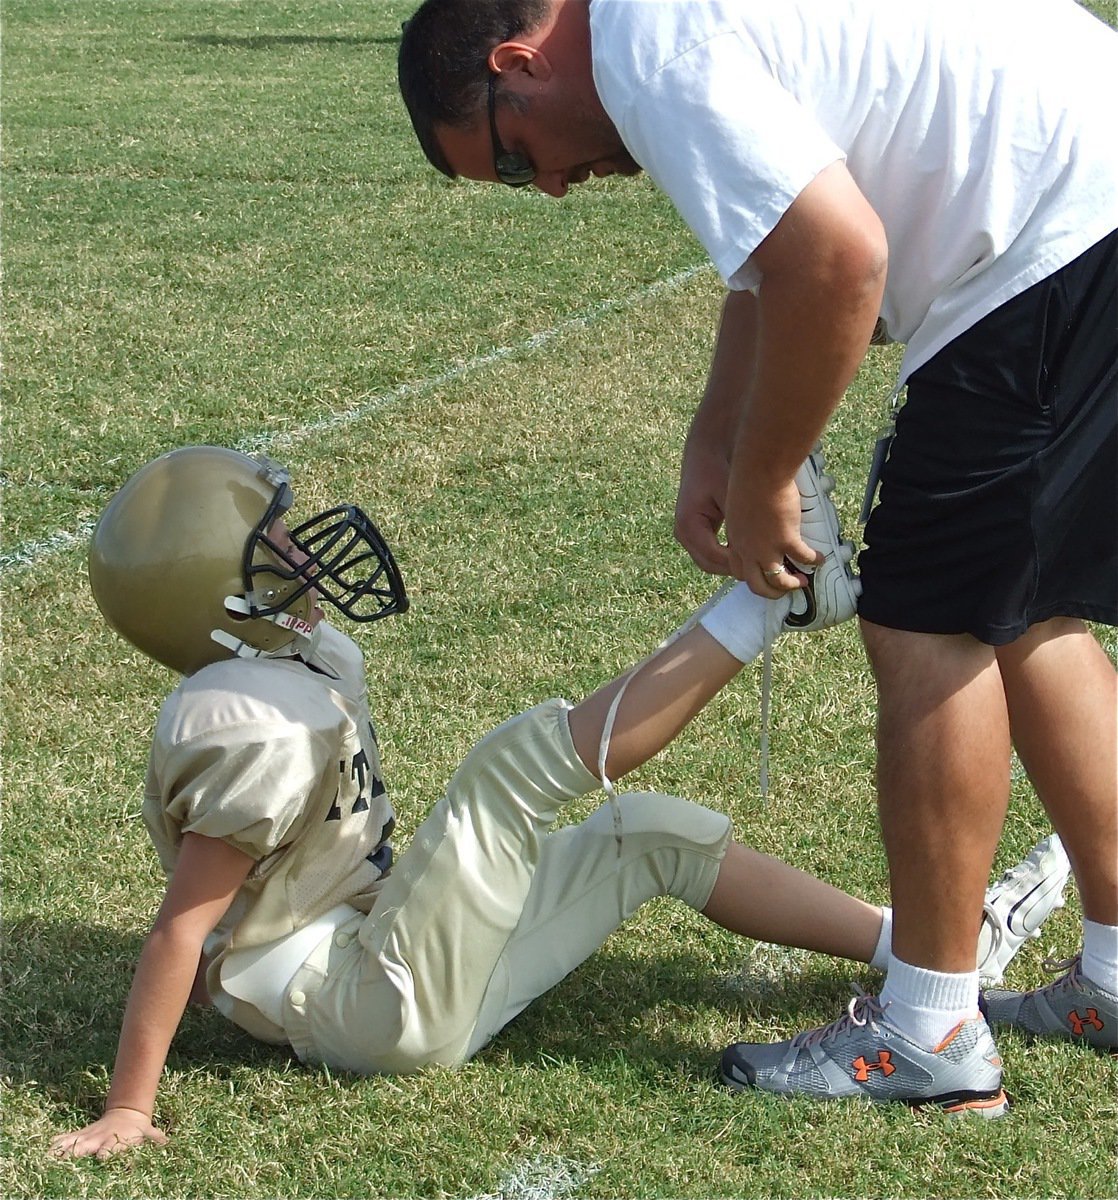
(1078, 1023)
(883, 1064)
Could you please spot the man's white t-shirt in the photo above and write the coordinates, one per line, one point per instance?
(982, 133)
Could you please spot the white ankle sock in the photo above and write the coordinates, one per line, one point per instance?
(1100, 955)
(737, 621)
(926, 1005)
(882, 952)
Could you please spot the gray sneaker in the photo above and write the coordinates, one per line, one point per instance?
(1018, 904)
(862, 1054)
(1072, 1007)
(832, 591)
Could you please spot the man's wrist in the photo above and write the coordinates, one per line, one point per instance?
(766, 470)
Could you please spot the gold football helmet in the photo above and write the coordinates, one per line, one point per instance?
(182, 564)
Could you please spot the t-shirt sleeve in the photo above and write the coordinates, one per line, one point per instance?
(251, 791)
(729, 145)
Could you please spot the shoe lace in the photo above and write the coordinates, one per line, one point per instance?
(997, 929)
(862, 1010)
(990, 913)
(774, 621)
(1012, 873)
(1067, 968)
(995, 923)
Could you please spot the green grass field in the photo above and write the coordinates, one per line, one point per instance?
(217, 228)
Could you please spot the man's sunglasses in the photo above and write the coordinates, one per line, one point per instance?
(513, 169)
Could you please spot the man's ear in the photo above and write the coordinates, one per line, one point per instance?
(510, 57)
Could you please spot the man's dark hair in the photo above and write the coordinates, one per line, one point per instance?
(442, 64)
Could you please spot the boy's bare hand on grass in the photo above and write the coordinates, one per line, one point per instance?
(117, 1130)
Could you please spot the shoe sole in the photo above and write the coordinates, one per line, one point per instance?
(988, 1105)
(840, 593)
(841, 589)
(969, 1104)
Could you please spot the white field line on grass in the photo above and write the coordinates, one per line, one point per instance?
(366, 405)
(545, 1177)
(34, 551)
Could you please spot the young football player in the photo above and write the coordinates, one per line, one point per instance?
(265, 801)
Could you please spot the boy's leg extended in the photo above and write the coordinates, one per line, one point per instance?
(586, 886)
(661, 697)
(455, 898)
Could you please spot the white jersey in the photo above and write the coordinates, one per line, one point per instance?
(979, 131)
(279, 760)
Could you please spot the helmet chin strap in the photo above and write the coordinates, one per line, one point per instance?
(303, 644)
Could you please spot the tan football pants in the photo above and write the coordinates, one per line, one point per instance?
(487, 909)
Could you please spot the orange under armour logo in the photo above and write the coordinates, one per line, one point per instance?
(863, 1068)
(1078, 1023)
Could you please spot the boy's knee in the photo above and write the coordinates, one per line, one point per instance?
(668, 847)
(674, 822)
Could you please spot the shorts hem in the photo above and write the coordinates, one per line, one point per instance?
(992, 635)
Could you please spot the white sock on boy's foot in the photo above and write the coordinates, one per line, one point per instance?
(883, 951)
(737, 621)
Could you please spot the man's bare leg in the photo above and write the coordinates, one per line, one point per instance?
(943, 786)
(1062, 693)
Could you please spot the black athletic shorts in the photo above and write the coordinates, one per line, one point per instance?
(999, 500)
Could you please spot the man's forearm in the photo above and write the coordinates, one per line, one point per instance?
(731, 371)
(824, 274)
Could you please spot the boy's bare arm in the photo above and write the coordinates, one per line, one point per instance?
(668, 691)
(207, 877)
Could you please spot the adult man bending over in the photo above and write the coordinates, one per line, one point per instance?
(942, 174)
